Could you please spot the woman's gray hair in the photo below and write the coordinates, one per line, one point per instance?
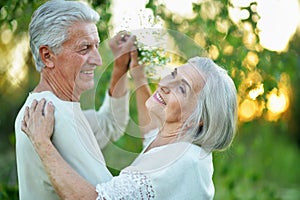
(215, 117)
(50, 23)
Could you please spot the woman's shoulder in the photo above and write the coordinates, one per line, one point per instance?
(171, 156)
(190, 154)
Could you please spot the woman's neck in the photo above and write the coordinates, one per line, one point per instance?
(168, 134)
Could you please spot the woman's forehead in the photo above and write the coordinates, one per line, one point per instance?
(192, 74)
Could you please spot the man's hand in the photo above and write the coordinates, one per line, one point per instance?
(121, 45)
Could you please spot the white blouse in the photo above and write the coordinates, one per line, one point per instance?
(174, 171)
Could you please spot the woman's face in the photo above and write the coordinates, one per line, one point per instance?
(176, 96)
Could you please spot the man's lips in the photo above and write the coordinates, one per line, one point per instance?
(88, 72)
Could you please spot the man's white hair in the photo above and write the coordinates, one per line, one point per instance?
(50, 23)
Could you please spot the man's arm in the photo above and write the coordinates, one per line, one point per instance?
(110, 122)
(121, 45)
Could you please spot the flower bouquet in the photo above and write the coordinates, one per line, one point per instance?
(152, 58)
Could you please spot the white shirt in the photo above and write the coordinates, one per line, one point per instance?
(74, 137)
(170, 172)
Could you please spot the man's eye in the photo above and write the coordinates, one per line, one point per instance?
(84, 48)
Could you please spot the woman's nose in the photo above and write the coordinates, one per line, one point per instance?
(165, 89)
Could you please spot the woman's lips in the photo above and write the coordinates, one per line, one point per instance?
(159, 98)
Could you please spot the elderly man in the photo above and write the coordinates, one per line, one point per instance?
(64, 42)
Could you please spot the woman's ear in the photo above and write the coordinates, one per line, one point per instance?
(200, 128)
(47, 56)
(201, 123)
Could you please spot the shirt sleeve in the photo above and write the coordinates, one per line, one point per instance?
(130, 185)
(109, 123)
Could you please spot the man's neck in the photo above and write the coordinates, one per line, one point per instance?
(60, 89)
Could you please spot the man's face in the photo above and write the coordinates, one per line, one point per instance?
(79, 57)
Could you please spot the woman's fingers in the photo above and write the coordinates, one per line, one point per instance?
(24, 127)
(49, 114)
(26, 114)
(134, 58)
(33, 106)
(40, 107)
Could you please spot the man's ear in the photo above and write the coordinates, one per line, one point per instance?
(47, 56)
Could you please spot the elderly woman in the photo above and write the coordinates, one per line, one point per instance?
(195, 106)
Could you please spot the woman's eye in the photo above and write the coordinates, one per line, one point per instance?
(182, 89)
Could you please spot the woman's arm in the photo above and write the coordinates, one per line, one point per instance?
(143, 92)
(38, 125)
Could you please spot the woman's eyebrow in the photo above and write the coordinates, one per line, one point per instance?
(174, 72)
(186, 83)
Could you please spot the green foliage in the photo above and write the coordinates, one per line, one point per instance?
(9, 192)
(214, 31)
(261, 164)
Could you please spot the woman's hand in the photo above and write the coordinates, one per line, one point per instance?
(136, 70)
(38, 122)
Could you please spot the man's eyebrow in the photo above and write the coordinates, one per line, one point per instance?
(86, 42)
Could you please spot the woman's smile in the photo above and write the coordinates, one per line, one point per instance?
(159, 98)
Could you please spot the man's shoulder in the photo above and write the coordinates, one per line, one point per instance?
(62, 108)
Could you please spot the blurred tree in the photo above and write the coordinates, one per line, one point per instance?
(257, 72)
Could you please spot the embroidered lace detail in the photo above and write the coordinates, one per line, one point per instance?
(129, 185)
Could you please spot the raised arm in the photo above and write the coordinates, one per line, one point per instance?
(143, 92)
(121, 45)
(110, 122)
(38, 125)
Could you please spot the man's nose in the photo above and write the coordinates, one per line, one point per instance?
(95, 58)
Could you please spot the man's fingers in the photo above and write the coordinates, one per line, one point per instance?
(130, 43)
(119, 39)
(122, 36)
